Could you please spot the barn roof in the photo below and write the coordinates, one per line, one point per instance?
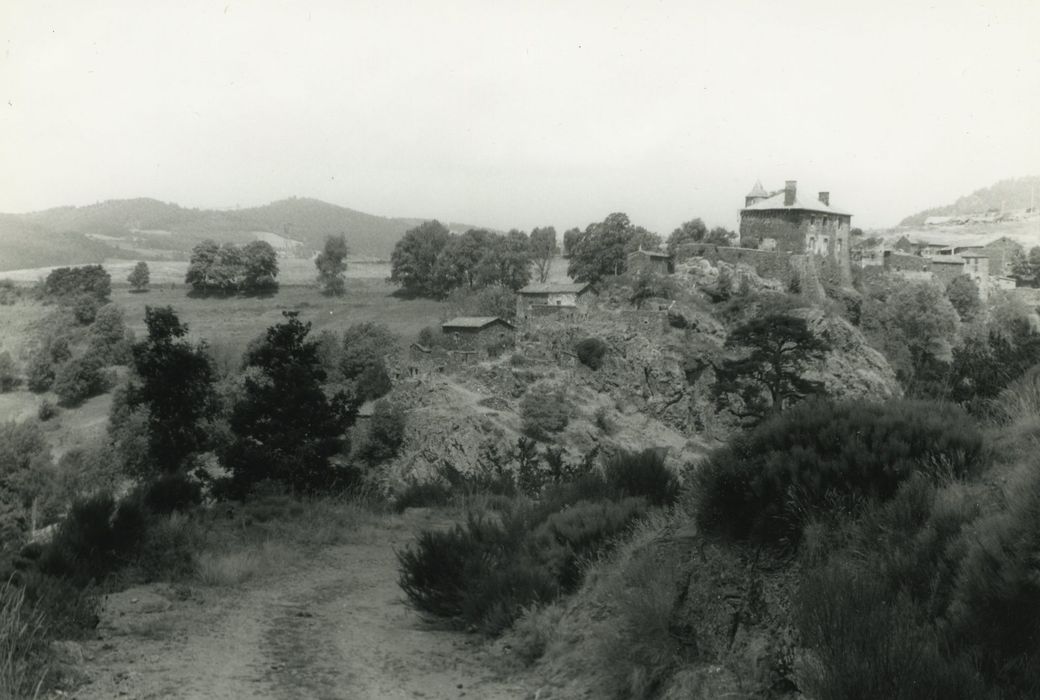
(474, 322)
(651, 254)
(555, 288)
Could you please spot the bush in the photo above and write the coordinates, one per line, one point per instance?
(94, 539)
(46, 411)
(79, 379)
(8, 374)
(642, 474)
(86, 280)
(544, 410)
(565, 537)
(591, 352)
(171, 492)
(766, 483)
(373, 382)
(603, 420)
(24, 658)
(85, 308)
(40, 373)
(384, 436)
(420, 494)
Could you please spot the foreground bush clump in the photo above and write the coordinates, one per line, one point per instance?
(23, 645)
(766, 483)
(643, 474)
(485, 573)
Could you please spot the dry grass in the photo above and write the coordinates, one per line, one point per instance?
(24, 661)
(271, 534)
(239, 565)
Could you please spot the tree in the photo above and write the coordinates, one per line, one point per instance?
(139, 277)
(331, 264)
(8, 375)
(79, 379)
(415, 256)
(493, 300)
(108, 338)
(602, 248)
(384, 436)
(69, 282)
(963, 293)
(913, 324)
(506, 260)
(543, 250)
(284, 426)
(1026, 269)
(768, 376)
(692, 231)
(362, 360)
(720, 236)
(259, 267)
(203, 259)
(176, 385)
(570, 237)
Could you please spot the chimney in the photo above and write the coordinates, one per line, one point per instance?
(825, 197)
(790, 189)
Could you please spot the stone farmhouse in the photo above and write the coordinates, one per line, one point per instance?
(784, 222)
(475, 332)
(650, 261)
(551, 298)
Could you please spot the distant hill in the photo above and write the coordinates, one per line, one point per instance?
(1005, 195)
(148, 229)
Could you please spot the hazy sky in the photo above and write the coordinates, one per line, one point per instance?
(518, 114)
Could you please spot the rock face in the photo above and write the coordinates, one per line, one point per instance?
(852, 369)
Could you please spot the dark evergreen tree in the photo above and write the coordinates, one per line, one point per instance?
(285, 427)
(769, 374)
(175, 383)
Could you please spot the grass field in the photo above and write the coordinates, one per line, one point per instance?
(232, 322)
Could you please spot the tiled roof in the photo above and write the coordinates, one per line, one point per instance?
(473, 322)
(776, 202)
(552, 288)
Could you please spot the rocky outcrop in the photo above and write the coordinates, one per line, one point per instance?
(852, 369)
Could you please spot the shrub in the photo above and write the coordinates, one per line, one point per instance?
(79, 379)
(385, 434)
(40, 373)
(373, 382)
(420, 494)
(95, 537)
(171, 492)
(544, 410)
(870, 644)
(85, 308)
(766, 483)
(86, 280)
(46, 411)
(24, 660)
(591, 352)
(8, 374)
(643, 474)
(565, 537)
(517, 360)
(603, 420)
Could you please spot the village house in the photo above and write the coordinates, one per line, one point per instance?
(549, 297)
(650, 261)
(477, 332)
(781, 221)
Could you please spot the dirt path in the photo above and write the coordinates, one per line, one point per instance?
(337, 628)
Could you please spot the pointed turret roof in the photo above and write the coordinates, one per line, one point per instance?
(758, 190)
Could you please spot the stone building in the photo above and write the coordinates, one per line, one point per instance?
(550, 297)
(474, 332)
(650, 261)
(781, 221)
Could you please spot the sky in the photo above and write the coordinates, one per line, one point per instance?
(518, 114)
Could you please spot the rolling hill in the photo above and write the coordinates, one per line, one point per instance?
(1016, 193)
(148, 229)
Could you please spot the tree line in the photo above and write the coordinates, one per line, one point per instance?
(431, 261)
